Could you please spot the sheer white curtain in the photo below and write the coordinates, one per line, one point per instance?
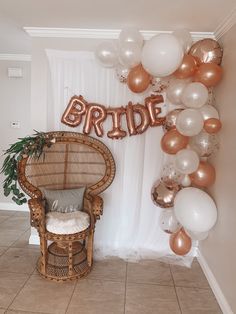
(129, 226)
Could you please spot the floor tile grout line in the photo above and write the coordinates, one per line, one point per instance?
(175, 290)
(126, 272)
(8, 308)
(76, 283)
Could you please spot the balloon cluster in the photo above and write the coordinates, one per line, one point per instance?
(190, 138)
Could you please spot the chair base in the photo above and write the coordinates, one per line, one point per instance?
(57, 266)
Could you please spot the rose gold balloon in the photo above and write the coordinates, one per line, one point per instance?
(116, 131)
(171, 117)
(207, 51)
(204, 176)
(208, 74)
(180, 242)
(76, 108)
(187, 67)
(212, 125)
(163, 196)
(95, 116)
(138, 79)
(173, 141)
(142, 111)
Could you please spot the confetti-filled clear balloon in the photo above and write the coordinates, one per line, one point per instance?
(171, 117)
(204, 144)
(171, 177)
(122, 73)
(159, 85)
(168, 222)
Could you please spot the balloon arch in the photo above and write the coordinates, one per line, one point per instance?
(187, 73)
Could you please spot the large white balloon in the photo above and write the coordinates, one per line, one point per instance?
(208, 112)
(186, 161)
(197, 236)
(131, 34)
(175, 90)
(189, 122)
(184, 38)
(107, 54)
(195, 95)
(195, 210)
(129, 54)
(162, 55)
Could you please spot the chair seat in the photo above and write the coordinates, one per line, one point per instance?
(67, 223)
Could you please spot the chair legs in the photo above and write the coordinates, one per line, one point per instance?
(90, 248)
(70, 255)
(43, 259)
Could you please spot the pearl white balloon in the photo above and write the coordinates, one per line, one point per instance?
(186, 181)
(186, 161)
(195, 210)
(107, 54)
(131, 34)
(208, 112)
(175, 90)
(189, 122)
(162, 55)
(197, 236)
(195, 95)
(129, 54)
(184, 37)
(168, 221)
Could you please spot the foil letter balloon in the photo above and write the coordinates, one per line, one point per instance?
(116, 131)
(96, 114)
(76, 108)
(150, 103)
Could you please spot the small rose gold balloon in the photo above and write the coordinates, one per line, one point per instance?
(187, 67)
(138, 79)
(208, 74)
(204, 176)
(163, 196)
(212, 125)
(173, 141)
(180, 242)
(207, 51)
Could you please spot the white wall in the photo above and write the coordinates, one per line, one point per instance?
(219, 250)
(15, 106)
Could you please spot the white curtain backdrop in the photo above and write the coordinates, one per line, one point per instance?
(129, 226)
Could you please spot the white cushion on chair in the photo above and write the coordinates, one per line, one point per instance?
(67, 223)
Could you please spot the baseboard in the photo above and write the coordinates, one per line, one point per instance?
(13, 206)
(34, 239)
(223, 303)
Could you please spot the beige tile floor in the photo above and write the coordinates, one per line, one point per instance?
(113, 287)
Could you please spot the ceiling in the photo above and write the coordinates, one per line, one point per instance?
(164, 15)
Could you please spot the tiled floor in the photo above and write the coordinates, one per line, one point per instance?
(113, 287)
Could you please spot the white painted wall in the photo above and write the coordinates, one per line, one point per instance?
(14, 106)
(219, 250)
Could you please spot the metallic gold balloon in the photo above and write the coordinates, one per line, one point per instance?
(187, 67)
(207, 51)
(138, 79)
(208, 74)
(180, 242)
(171, 117)
(204, 176)
(173, 141)
(163, 196)
(212, 125)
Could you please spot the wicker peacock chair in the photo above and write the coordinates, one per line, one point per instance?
(73, 161)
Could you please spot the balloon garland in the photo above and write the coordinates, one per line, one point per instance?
(187, 74)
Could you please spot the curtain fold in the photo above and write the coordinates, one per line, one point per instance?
(129, 226)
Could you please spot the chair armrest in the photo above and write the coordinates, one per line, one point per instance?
(37, 214)
(97, 205)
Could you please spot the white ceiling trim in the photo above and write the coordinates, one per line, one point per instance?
(14, 57)
(99, 33)
(226, 24)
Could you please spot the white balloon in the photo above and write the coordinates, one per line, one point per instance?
(162, 55)
(195, 210)
(189, 122)
(195, 95)
(130, 54)
(204, 144)
(168, 221)
(197, 236)
(107, 54)
(186, 161)
(184, 38)
(186, 181)
(208, 112)
(131, 34)
(175, 90)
